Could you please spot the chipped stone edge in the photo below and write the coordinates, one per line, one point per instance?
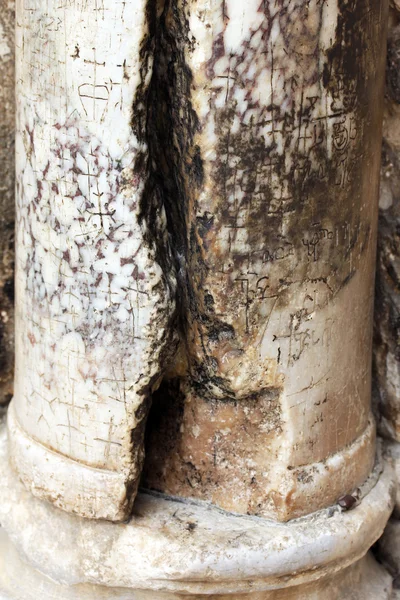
(54, 477)
(169, 545)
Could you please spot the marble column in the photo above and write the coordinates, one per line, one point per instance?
(197, 215)
(94, 280)
(268, 409)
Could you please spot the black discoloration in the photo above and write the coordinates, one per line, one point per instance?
(301, 227)
(393, 66)
(169, 124)
(290, 225)
(165, 421)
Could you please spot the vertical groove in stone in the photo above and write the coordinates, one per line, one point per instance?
(171, 124)
(95, 294)
(268, 412)
(7, 181)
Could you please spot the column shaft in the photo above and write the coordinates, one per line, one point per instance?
(94, 290)
(269, 411)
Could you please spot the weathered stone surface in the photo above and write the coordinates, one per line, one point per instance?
(209, 170)
(194, 549)
(7, 133)
(95, 294)
(363, 581)
(275, 155)
(386, 384)
(387, 300)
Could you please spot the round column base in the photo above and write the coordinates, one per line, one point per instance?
(389, 544)
(364, 580)
(174, 549)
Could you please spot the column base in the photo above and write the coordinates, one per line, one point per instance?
(364, 580)
(173, 549)
(389, 544)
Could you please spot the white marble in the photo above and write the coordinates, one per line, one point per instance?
(18, 581)
(93, 305)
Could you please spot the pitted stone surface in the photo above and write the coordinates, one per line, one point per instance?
(7, 171)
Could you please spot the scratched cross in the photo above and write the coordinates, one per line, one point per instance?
(94, 96)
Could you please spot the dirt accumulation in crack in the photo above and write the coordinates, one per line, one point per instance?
(165, 120)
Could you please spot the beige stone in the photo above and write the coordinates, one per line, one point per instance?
(192, 548)
(363, 581)
(267, 411)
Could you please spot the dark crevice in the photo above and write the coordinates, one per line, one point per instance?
(165, 120)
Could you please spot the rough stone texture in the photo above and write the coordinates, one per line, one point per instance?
(388, 547)
(94, 292)
(275, 163)
(7, 132)
(387, 301)
(241, 185)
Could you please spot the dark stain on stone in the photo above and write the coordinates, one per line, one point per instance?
(347, 502)
(8, 289)
(165, 421)
(393, 66)
(169, 124)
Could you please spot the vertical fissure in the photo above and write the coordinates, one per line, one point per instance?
(167, 124)
(165, 121)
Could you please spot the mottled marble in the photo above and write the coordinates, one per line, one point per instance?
(94, 298)
(387, 297)
(267, 411)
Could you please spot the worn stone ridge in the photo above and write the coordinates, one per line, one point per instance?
(7, 170)
(273, 373)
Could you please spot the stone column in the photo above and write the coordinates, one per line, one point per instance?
(94, 282)
(197, 212)
(7, 132)
(268, 411)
